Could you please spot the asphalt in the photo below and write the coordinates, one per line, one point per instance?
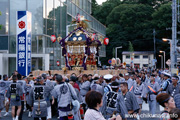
(145, 113)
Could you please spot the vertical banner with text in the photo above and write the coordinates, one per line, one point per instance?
(23, 30)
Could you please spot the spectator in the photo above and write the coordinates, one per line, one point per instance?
(94, 102)
(166, 101)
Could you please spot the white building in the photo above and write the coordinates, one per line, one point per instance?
(138, 58)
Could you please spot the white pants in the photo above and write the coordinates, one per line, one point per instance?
(49, 116)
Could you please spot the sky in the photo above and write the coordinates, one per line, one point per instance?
(100, 1)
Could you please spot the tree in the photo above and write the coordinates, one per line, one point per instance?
(134, 21)
(94, 7)
(130, 49)
(104, 10)
(154, 3)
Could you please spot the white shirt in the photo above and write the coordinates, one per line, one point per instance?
(92, 114)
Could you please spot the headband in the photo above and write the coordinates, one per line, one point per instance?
(114, 86)
(165, 100)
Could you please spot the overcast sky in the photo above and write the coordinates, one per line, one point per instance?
(100, 1)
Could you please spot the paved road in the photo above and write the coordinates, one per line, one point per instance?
(145, 110)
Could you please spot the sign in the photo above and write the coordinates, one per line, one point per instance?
(53, 38)
(174, 71)
(109, 61)
(118, 62)
(168, 62)
(106, 41)
(124, 63)
(23, 46)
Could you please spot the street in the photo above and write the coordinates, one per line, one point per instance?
(145, 110)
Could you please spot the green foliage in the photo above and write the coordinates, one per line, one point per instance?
(131, 49)
(134, 21)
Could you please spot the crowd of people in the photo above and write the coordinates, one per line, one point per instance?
(91, 97)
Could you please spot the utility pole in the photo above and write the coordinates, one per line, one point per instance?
(154, 34)
(174, 35)
(154, 37)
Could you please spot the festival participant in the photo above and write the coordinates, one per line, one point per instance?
(139, 90)
(39, 99)
(121, 78)
(46, 80)
(65, 93)
(13, 93)
(166, 101)
(143, 78)
(51, 84)
(129, 99)
(166, 83)
(97, 85)
(177, 100)
(110, 101)
(90, 77)
(29, 85)
(84, 88)
(72, 81)
(4, 85)
(94, 102)
(23, 85)
(107, 78)
(152, 91)
(129, 81)
(174, 87)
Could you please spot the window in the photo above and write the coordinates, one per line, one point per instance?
(127, 56)
(4, 17)
(136, 56)
(145, 56)
(36, 9)
(3, 43)
(145, 65)
(12, 44)
(50, 17)
(127, 65)
(15, 5)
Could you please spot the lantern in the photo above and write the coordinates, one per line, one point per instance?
(57, 63)
(53, 38)
(106, 41)
(113, 61)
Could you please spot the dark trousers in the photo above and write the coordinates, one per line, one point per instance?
(43, 118)
(28, 107)
(22, 110)
(54, 108)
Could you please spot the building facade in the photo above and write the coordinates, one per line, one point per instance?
(138, 58)
(49, 17)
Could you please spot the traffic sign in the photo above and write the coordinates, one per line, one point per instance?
(110, 61)
(168, 62)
